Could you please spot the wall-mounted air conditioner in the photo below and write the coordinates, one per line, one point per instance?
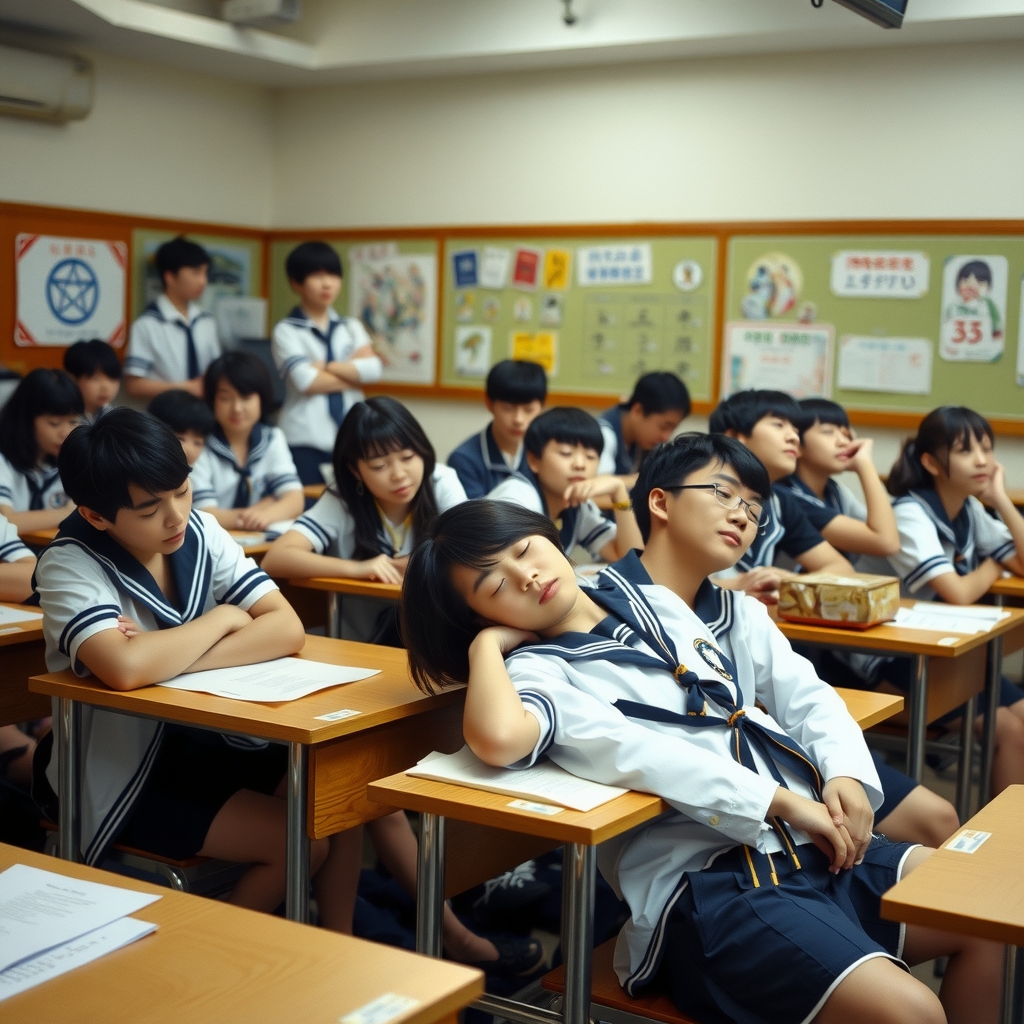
(44, 86)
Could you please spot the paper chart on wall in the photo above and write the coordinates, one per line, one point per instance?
(780, 357)
(897, 365)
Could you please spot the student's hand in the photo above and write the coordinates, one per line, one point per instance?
(381, 568)
(128, 626)
(858, 453)
(849, 806)
(193, 386)
(816, 820)
(252, 519)
(762, 583)
(995, 489)
(505, 638)
(597, 487)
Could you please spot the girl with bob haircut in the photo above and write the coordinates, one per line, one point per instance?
(45, 407)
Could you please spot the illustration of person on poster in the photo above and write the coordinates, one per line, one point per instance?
(973, 308)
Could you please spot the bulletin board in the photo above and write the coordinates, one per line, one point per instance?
(906, 337)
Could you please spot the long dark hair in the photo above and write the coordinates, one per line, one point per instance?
(939, 432)
(437, 624)
(372, 429)
(41, 393)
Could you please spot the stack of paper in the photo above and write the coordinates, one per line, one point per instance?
(950, 618)
(50, 923)
(545, 782)
(246, 540)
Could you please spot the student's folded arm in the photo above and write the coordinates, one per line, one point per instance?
(41, 519)
(364, 366)
(824, 558)
(325, 383)
(16, 579)
(848, 534)
(291, 556)
(956, 589)
(268, 510)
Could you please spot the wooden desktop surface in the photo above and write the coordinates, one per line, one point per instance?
(40, 538)
(314, 491)
(22, 654)
(210, 961)
(345, 585)
(1008, 586)
(980, 893)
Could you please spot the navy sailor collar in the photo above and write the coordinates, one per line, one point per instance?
(493, 456)
(802, 491)
(958, 532)
(566, 521)
(259, 442)
(298, 317)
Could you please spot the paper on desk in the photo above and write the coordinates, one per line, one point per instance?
(41, 909)
(247, 540)
(270, 681)
(949, 618)
(66, 957)
(545, 782)
(9, 615)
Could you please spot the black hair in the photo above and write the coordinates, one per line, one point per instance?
(99, 460)
(978, 269)
(182, 411)
(247, 374)
(742, 411)
(437, 624)
(517, 381)
(566, 425)
(85, 358)
(820, 410)
(939, 432)
(180, 252)
(311, 258)
(39, 393)
(660, 391)
(673, 461)
(371, 429)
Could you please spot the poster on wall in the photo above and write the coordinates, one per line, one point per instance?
(228, 276)
(396, 299)
(69, 289)
(901, 366)
(880, 275)
(778, 357)
(973, 308)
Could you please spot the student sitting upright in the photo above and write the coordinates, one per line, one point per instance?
(189, 417)
(321, 357)
(659, 403)
(174, 340)
(755, 898)
(245, 477)
(136, 589)
(563, 446)
(45, 407)
(765, 421)
(95, 368)
(516, 390)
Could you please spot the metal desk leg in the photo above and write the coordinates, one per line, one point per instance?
(963, 775)
(333, 615)
(918, 703)
(430, 885)
(579, 876)
(1010, 1014)
(988, 736)
(69, 718)
(296, 900)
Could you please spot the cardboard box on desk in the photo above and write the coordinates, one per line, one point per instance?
(858, 601)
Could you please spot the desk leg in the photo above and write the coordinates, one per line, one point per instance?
(333, 615)
(68, 738)
(988, 736)
(579, 877)
(296, 900)
(1011, 1013)
(430, 885)
(963, 775)
(917, 732)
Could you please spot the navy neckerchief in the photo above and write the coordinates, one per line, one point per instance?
(762, 548)
(336, 399)
(959, 532)
(191, 568)
(566, 521)
(259, 441)
(190, 342)
(625, 457)
(37, 489)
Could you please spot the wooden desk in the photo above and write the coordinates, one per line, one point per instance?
(22, 654)
(980, 893)
(330, 762)
(256, 543)
(314, 491)
(334, 586)
(210, 961)
(579, 832)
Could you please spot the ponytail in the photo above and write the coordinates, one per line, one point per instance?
(907, 473)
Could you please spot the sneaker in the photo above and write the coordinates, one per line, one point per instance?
(513, 890)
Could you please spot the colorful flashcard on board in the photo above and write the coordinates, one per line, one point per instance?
(494, 264)
(536, 347)
(526, 268)
(778, 357)
(973, 308)
(687, 275)
(491, 309)
(522, 309)
(465, 305)
(557, 264)
(551, 307)
(897, 365)
(880, 275)
(774, 282)
(472, 351)
(464, 265)
(599, 265)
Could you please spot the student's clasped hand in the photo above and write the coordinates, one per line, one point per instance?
(818, 821)
(858, 452)
(995, 489)
(850, 808)
(383, 568)
(597, 487)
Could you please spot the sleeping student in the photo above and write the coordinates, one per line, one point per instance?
(188, 416)
(45, 407)
(136, 589)
(756, 897)
(245, 477)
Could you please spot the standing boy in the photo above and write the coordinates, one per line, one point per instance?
(322, 358)
(516, 390)
(95, 368)
(174, 340)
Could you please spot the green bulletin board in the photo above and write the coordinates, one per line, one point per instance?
(598, 337)
(990, 387)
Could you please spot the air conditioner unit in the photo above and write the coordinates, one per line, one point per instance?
(44, 86)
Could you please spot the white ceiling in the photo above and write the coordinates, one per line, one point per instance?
(351, 40)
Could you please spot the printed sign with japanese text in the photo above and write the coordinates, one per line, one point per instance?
(880, 275)
(614, 264)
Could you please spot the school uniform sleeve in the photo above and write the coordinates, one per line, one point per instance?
(7, 472)
(519, 492)
(11, 547)
(328, 526)
(851, 505)
(921, 556)
(594, 531)
(279, 467)
(140, 360)
(237, 579)
(466, 462)
(448, 489)
(606, 464)
(204, 494)
(991, 536)
(292, 361)
(802, 531)
(370, 368)
(589, 738)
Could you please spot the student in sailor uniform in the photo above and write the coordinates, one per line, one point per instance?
(137, 589)
(755, 898)
(516, 390)
(321, 357)
(45, 407)
(951, 549)
(174, 340)
(245, 477)
(189, 417)
(659, 403)
(563, 446)
(95, 368)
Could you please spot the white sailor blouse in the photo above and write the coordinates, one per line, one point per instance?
(269, 471)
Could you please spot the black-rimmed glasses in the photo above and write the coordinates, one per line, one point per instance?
(727, 499)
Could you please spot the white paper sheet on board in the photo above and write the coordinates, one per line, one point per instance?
(897, 365)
